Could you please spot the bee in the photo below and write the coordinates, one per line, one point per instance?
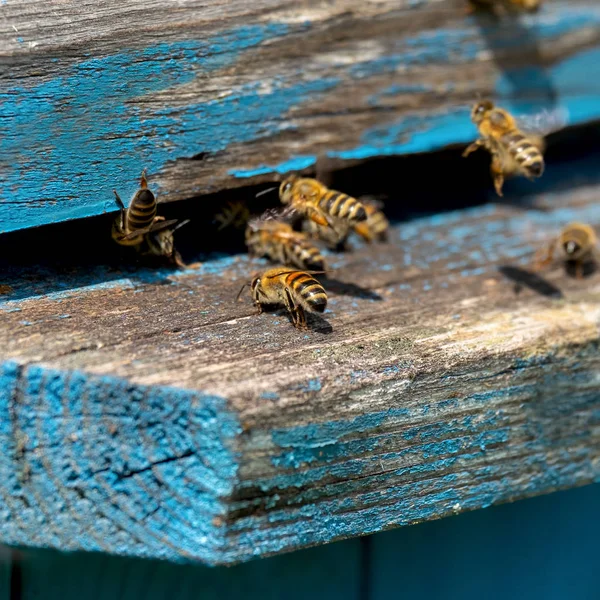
(512, 152)
(514, 5)
(233, 214)
(374, 228)
(297, 290)
(320, 204)
(140, 227)
(279, 242)
(577, 244)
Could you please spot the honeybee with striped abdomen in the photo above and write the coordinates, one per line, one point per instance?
(577, 244)
(320, 204)
(278, 241)
(512, 152)
(297, 290)
(140, 227)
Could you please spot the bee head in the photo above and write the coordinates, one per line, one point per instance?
(571, 248)
(163, 242)
(480, 110)
(286, 189)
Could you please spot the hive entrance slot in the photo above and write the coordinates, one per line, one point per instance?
(411, 186)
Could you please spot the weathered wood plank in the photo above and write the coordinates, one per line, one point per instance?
(209, 96)
(151, 415)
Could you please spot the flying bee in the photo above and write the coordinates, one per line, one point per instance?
(512, 152)
(577, 244)
(297, 290)
(140, 227)
(320, 204)
(279, 242)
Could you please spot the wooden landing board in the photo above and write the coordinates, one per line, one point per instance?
(154, 416)
(211, 95)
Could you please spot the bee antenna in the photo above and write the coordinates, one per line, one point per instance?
(247, 284)
(180, 225)
(263, 192)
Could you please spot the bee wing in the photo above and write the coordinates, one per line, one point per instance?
(284, 214)
(537, 126)
(292, 270)
(373, 201)
(154, 228)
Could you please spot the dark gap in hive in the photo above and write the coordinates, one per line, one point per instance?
(411, 186)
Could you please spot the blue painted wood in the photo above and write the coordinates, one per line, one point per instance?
(169, 421)
(541, 548)
(82, 124)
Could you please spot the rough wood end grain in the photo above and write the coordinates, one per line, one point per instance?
(152, 415)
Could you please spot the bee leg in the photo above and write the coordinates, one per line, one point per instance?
(544, 257)
(298, 318)
(317, 217)
(474, 146)
(122, 207)
(177, 260)
(497, 170)
(579, 269)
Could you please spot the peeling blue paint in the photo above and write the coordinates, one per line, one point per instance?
(114, 441)
(296, 163)
(78, 126)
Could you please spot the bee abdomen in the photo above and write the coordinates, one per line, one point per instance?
(142, 210)
(308, 256)
(525, 153)
(308, 290)
(342, 206)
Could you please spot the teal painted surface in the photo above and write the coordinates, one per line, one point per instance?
(152, 483)
(74, 137)
(325, 573)
(540, 549)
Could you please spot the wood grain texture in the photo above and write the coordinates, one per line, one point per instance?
(151, 415)
(544, 546)
(213, 95)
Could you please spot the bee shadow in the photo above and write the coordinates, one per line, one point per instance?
(314, 321)
(342, 288)
(513, 44)
(522, 278)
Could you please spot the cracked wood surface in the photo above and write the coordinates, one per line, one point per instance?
(214, 95)
(152, 415)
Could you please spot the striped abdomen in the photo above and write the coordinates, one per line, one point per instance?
(301, 253)
(141, 211)
(306, 291)
(375, 227)
(342, 206)
(527, 156)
